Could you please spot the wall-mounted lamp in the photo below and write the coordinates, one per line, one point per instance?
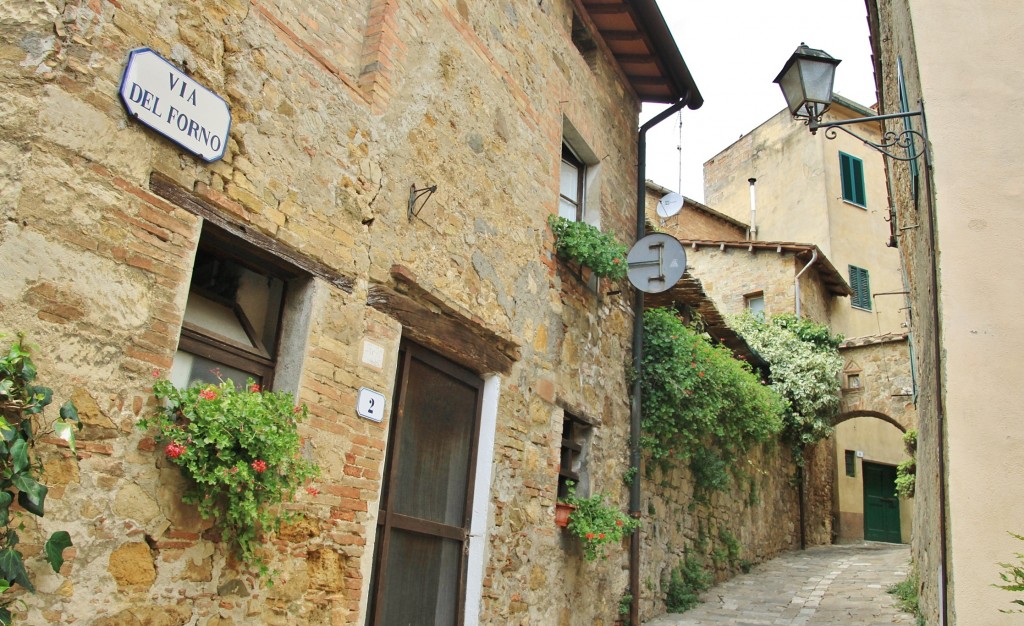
(806, 81)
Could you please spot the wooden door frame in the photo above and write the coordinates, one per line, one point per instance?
(864, 472)
(386, 521)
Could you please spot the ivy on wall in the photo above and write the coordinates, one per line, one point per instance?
(701, 405)
(21, 472)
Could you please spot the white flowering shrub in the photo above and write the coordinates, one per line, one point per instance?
(805, 368)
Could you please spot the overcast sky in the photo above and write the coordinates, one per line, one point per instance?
(735, 49)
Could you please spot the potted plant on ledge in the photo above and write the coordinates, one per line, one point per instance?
(597, 524)
(241, 449)
(582, 243)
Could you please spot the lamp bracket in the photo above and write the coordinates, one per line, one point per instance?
(905, 141)
(414, 197)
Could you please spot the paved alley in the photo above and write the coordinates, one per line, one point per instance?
(843, 584)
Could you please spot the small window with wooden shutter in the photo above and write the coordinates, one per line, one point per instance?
(861, 286)
(851, 172)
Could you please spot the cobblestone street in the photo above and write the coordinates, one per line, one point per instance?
(828, 585)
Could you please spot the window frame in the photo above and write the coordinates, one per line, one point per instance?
(860, 284)
(851, 178)
(569, 157)
(752, 297)
(573, 449)
(259, 360)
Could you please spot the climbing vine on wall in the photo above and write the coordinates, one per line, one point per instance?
(21, 424)
(805, 367)
(700, 404)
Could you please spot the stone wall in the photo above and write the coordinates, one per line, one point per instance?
(694, 221)
(893, 38)
(730, 274)
(886, 385)
(760, 511)
(338, 108)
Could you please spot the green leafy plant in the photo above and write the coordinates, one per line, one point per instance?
(906, 472)
(686, 582)
(597, 524)
(805, 366)
(241, 450)
(588, 246)
(700, 404)
(21, 425)
(732, 547)
(1013, 577)
(905, 592)
(625, 601)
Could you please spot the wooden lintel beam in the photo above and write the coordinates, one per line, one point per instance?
(434, 324)
(169, 190)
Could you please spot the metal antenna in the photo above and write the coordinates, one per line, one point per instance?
(679, 149)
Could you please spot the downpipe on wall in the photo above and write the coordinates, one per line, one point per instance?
(638, 353)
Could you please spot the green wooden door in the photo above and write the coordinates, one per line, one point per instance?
(881, 506)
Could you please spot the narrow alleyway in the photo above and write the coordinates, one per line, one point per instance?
(822, 586)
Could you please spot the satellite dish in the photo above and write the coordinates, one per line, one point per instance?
(656, 263)
(669, 205)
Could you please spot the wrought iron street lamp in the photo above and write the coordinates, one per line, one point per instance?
(806, 82)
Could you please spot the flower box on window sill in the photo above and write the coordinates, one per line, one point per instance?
(587, 246)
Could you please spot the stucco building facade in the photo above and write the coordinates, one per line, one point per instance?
(957, 216)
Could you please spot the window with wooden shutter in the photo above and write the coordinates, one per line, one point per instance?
(851, 172)
(861, 286)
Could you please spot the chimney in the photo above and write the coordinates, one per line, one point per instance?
(753, 209)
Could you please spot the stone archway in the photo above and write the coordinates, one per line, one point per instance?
(865, 439)
(842, 417)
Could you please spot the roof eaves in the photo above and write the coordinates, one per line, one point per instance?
(824, 268)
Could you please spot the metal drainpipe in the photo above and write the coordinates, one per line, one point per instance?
(796, 281)
(638, 355)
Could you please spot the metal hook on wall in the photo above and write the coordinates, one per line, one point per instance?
(415, 195)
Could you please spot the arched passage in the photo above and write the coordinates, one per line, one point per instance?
(869, 447)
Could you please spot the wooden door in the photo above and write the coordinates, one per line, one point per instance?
(881, 505)
(426, 504)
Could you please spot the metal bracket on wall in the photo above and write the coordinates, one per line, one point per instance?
(415, 195)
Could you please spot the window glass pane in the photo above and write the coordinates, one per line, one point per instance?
(422, 580)
(219, 285)
(756, 306)
(569, 181)
(188, 368)
(216, 318)
(260, 299)
(436, 434)
(566, 209)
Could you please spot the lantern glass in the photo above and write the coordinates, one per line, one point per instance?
(806, 82)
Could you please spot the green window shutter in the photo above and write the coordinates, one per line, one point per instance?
(861, 286)
(851, 173)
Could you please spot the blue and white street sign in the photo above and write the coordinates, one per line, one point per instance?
(170, 102)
